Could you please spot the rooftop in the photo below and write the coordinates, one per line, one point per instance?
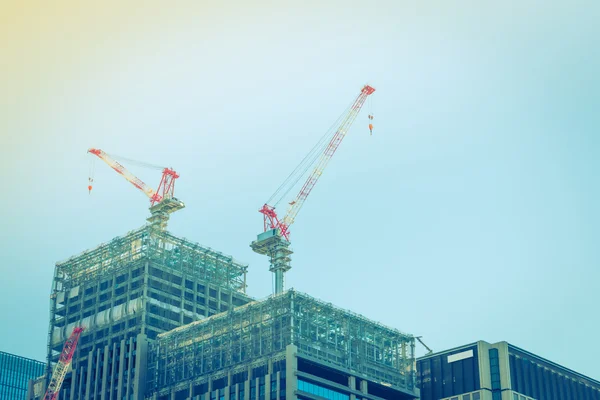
(261, 329)
(162, 247)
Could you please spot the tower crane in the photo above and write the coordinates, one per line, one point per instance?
(162, 200)
(62, 366)
(275, 240)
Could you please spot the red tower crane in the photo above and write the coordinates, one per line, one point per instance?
(62, 366)
(162, 200)
(166, 187)
(274, 242)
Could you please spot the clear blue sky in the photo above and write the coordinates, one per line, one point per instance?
(471, 213)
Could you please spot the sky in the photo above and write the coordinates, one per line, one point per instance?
(470, 214)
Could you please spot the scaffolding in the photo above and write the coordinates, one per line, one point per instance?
(262, 329)
(153, 245)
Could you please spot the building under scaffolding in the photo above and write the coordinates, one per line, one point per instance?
(285, 347)
(126, 292)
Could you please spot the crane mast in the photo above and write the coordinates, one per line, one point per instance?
(274, 241)
(62, 366)
(162, 201)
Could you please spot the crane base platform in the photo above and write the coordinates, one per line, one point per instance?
(266, 241)
(160, 212)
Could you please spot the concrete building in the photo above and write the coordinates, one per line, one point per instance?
(126, 292)
(499, 371)
(15, 374)
(289, 346)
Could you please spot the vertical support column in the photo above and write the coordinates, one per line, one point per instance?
(291, 367)
(352, 386)
(504, 366)
(120, 382)
(74, 378)
(268, 386)
(279, 281)
(97, 383)
(112, 383)
(141, 367)
(88, 384)
(145, 296)
(218, 299)
(105, 373)
(413, 364)
(127, 371)
(268, 379)
(227, 388)
(206, 298)
(80, 393)
(247, 385)
(182, 289)
(364, 387)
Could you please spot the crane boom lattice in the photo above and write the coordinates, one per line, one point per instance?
(162, 200)
(274, 242)
(62, 367)
(326, 156)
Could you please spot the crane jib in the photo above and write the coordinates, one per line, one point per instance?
(271, 220)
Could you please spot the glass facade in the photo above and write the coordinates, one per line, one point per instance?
(467, 396)
(321, 391)
(15, 373)
(441, 377)
(495, 374)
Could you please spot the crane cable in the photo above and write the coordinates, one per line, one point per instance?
(371, 117)
(118, 158)
(92, 172)
(308, 161)
(135, 162)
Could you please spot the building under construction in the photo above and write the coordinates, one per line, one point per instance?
(126, 292)
(165, 318)
(288, 346)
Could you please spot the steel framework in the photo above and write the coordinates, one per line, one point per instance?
(160, 246)
(263, 329)
(145, 245)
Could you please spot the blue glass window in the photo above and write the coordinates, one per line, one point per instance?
(322, 391)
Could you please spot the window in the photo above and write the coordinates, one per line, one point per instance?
(261, 388)
(495, 373)
(323, 391)
(476, 396)
(273, 387)
(253, 389)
